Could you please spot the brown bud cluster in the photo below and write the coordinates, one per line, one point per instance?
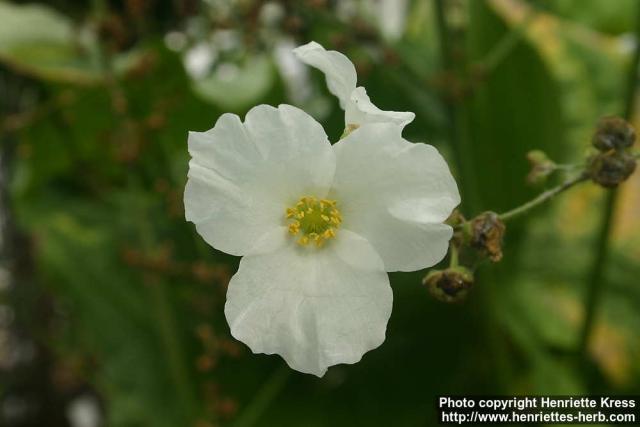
(611, 168)
(613, 163)
(450, 285)
(487, 232)
(613, 133)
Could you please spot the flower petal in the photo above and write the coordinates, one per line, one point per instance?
(339, 71)
(242, 176)
(341, 80)
(360, 110)
(396, 195)
(314, 307)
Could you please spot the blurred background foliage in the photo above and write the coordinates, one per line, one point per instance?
(111, 306)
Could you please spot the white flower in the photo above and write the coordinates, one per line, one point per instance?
(318, 226)
(341, 80)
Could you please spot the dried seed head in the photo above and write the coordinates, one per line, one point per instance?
(613, 133)
(487, 232)
(450, 285)
(609, 169)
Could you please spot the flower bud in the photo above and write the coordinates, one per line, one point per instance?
(487, 231)
(450, 285)
(613, 133)
(541, 167)
(611, 168)
(456, 220)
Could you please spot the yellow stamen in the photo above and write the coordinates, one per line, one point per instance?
(316, 220)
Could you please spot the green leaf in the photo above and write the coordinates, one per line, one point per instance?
(114, 316)
(241, 88)
(37, 40)
(598, 14)
(516, 109)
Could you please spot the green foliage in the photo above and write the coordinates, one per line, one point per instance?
(39, 41)
(600, 15)
(249, 84)
(502, 128)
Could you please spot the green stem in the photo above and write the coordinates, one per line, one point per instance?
(455, 66)
(543, 197)
(456, 110)
(540, 199)
(595, 286)
(167, 328)
(269, 391)
(596, 282)
(569, 167)
(506, 45)
(453, 260)
(167, 325)
(443, 35)
(173, 346)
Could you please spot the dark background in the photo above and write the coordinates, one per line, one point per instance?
(111, 306)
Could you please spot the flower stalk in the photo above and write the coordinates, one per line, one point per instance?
(542, 198)
(453, 256)
(533, 203)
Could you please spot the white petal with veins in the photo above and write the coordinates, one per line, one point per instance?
(243, 175)
(395, 194)
(361, 110)
(341, 80)
(318, 225)
(314, 308)
(339, 71)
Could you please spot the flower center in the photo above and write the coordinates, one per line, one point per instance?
(317, 220)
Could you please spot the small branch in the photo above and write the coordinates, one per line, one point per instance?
(542, 198)
(569, 167)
